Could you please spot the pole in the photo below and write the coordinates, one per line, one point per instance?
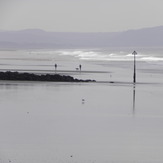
(134, 77)
(134, 94)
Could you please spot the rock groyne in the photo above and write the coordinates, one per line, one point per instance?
(35, 77)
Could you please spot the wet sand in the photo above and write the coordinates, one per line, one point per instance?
(66, 72)
(50, 122)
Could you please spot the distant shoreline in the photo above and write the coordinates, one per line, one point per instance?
(38, 39)
(17, 76)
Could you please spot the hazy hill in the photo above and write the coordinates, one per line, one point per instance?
(36, 38)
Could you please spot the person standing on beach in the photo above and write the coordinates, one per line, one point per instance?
(55, 67)
(80, 67)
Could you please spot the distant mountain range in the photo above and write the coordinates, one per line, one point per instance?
(36, 38)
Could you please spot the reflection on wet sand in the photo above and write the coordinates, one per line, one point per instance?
(134, 95)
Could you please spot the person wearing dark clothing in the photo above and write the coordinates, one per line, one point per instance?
(55, 67)
(80, 67)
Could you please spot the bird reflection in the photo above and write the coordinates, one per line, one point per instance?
(134, 96)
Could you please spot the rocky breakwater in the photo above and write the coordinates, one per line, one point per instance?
(35, 77)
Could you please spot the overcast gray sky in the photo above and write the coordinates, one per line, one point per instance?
(80, 15)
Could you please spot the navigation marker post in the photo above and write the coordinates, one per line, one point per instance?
(134, 77)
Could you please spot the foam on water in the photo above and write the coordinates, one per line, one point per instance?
(109, 56)
(152, 58)
(99, 54)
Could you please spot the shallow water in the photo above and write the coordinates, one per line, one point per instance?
(46, 122)
(60, 122)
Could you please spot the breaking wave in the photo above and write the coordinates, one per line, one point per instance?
(99, 55)
(106, 56)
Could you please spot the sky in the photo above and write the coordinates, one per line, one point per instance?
(80, 15)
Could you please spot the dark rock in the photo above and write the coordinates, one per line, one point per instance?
(34, 77)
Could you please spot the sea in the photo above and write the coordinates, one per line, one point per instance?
(112, 120)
